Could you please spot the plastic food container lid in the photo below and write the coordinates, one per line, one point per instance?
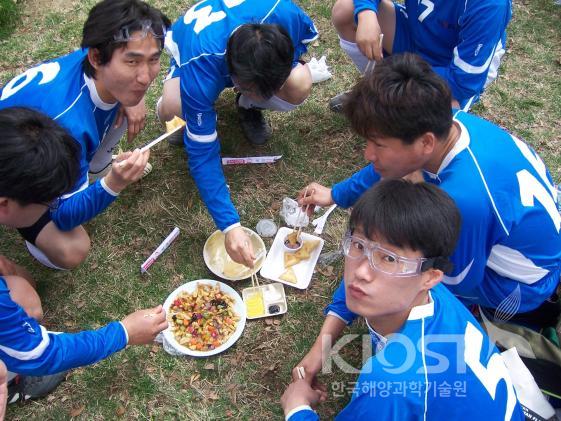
(266, 228)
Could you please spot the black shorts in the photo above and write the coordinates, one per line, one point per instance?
(30, 233)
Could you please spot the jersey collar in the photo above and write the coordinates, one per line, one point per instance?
(96, 99)
(461, 144)
(422, 311)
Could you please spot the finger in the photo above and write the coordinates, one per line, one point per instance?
(162, 325)
(128, 163)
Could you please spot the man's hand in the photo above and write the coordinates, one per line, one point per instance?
(317, 195)
(3, 390)
(239, 248)
(368, 35)
(126, 169)
(300, 393)
(311, 363)
(142, 326)
(136, 119)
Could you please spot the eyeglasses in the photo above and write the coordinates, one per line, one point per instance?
(132, 33)
(383, 260)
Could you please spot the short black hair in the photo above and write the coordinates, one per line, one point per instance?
(401, 98)
(39, 160)
(260, 55)
(419, 216)
(107, 20)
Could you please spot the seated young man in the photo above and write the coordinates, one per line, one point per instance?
(87, 92)
(463, 41)
(423, 338)
(39, 162)
(254, 46)
(509, 249)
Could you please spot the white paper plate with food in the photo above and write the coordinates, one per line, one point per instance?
(222, 265)
(294, 268)
(205, 318)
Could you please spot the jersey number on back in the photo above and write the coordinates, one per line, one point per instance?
(48, 72)
(429, 8)
(204, 16)
(489, 375)
(531, 188)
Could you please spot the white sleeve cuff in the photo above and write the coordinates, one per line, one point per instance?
(231, 227)
(106, 188)
(126, 333)
(332, 313)
(297, 409)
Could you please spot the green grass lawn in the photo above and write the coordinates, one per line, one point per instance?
(245, 382)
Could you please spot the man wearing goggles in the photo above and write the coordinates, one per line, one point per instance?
(95, 93)
(395, 257)
(509, 252)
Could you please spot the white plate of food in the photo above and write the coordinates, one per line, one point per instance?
(222, 265)
(293, 268)
(205, 318)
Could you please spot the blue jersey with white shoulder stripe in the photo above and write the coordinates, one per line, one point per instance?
(459, 38)
(28, 348)
(60, 89)
(509, 249)
(439, 365)
(197, 43)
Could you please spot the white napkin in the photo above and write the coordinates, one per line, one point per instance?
(319, 69)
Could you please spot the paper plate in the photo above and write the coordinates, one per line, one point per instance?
(215, 256)
(239, 308)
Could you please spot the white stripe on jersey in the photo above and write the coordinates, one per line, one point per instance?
(270, 11)
(203, 138)
(512, 264)
(469, 68)
(29, 355)
(71, 105)
(487, 190)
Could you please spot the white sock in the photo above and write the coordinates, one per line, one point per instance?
(40, 256)
(274, 103)
(351, 49)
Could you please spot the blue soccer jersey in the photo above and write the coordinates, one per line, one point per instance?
(28, 348)
(510, 247)
(61, 90)
(462, 40)
(197, 43)
(439, 365)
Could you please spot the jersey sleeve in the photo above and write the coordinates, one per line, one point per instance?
(26, 347)
(305, 33)
(347, 192)
(362, 5)
(338, 306)
(482, 32)
(83, 205)
(201, 85)
(304, 414)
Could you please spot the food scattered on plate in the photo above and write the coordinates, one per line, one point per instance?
(204, 319)
(174, 124)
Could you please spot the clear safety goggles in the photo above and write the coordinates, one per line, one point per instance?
(383, 260)
(133, 33)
